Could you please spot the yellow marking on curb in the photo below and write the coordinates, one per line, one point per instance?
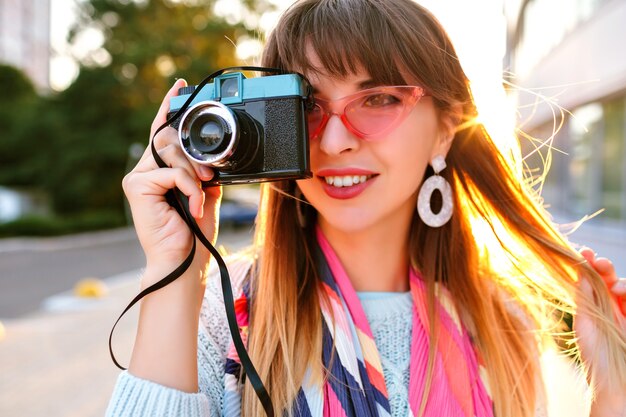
(90, 288)
(3, 332)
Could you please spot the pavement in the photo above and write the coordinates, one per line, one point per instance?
(55, 362)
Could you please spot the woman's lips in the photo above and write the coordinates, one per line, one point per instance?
(343, 184)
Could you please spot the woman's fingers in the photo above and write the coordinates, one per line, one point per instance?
(169, 178)
(169, 150)
(173, 157)
(588, 254)
(616, 285)
(605, 268)
(618, 289)
(157, 182)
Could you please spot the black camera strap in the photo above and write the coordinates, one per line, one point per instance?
(180, 202)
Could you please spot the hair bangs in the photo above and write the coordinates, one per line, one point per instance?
(342, 48)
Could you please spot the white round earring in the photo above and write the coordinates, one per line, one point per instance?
(435, 182)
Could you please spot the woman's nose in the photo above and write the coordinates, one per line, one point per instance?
(336, 138)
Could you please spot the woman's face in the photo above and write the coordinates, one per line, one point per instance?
(392, 166)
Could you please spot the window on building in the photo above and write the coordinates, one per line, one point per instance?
(546, 22)
(546, 160)
(613, 154)
(585, 131)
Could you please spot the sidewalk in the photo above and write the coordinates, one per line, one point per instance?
(56, 362)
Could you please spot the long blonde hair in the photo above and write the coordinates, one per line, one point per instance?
(526, 262)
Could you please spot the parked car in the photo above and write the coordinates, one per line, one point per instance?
(237, 213)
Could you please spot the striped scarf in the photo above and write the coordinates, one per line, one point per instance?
(357, 386)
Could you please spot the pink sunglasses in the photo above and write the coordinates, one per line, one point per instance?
(368, 114)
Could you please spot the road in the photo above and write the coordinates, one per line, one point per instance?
(31, 270)
(35, 271)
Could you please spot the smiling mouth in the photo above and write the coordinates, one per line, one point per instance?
(346, 180)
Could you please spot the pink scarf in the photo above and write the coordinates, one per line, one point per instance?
(357, 385)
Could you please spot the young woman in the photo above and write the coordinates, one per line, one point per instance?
(366, 292)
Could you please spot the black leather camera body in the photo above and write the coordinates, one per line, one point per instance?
(247, 129)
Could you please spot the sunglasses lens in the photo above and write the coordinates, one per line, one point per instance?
(375, 112)
(368, 114)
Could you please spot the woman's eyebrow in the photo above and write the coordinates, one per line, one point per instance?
(369, 83)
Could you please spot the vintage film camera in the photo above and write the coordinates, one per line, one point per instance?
(246, 129)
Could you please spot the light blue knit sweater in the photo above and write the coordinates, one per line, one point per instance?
(389, 315)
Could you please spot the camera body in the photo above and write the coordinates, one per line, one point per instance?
(247, 129)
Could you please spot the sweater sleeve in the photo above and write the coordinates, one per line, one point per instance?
(133, 396)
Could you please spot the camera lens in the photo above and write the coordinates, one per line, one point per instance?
(213, 134)
(209, 133)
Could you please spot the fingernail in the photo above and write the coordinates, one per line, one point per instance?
(619, 285)
(206, 173)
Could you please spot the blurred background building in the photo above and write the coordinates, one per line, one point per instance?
(568, 54)
(25, 38)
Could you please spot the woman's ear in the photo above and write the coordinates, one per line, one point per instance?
(449, 120)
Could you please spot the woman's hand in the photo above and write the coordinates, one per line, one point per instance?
(165, 349)
(605, 268)
(609, 400)
(164, 236)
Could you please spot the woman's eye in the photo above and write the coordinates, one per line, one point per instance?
(380, 100)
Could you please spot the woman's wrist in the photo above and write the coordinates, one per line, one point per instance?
(166, 344)
(158, 268)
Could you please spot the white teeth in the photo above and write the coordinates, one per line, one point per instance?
(346, 181)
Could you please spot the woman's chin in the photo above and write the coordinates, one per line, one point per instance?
(348, 221)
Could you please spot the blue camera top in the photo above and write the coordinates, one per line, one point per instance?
(235, 88)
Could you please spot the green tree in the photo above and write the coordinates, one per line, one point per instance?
(18, 102)
(89, 134)
(15, 84)
(89, 128)
(150, 43)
